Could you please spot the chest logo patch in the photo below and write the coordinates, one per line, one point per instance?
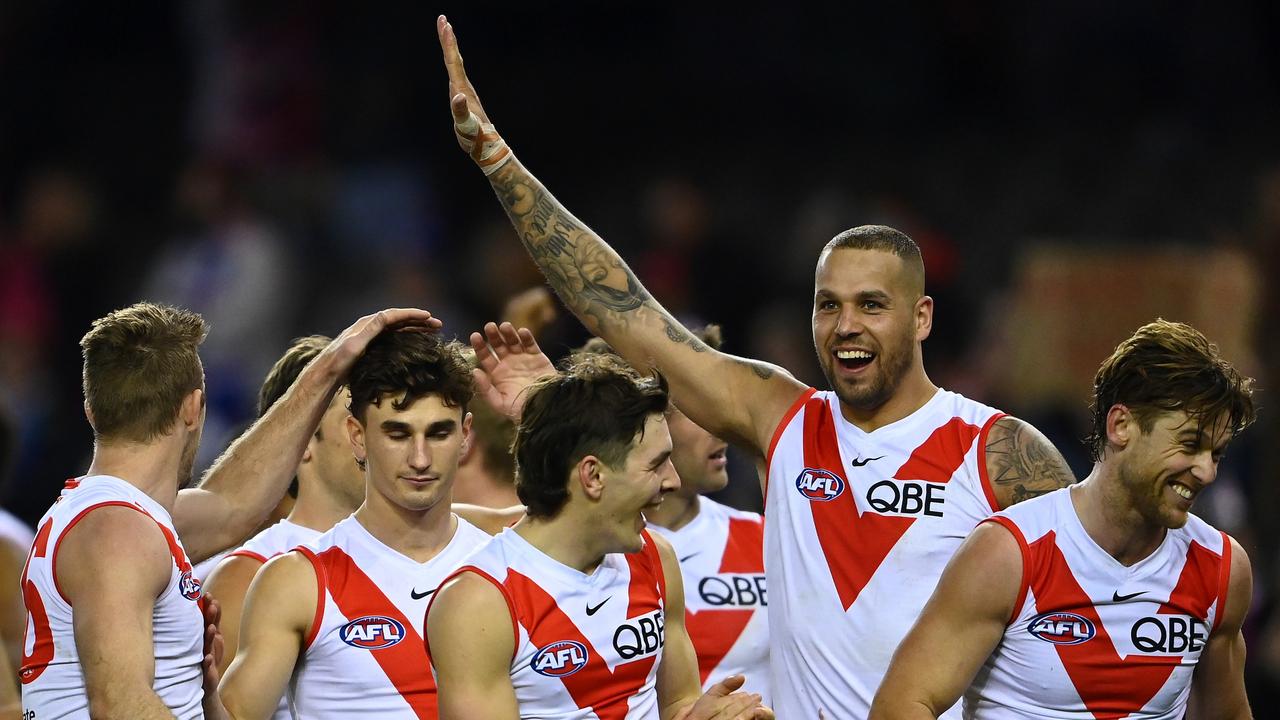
(189, 585)
(1062, 628)
(372, 632)
(561, 658)
(820, 485)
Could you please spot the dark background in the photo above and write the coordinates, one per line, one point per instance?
(1071, 170)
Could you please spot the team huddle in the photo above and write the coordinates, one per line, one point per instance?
(924, 555)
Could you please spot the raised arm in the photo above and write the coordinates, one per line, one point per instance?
(737, 399)
(1217, 688)
(959, 627)
(470, 638)
(253, 474)
(1022, 463)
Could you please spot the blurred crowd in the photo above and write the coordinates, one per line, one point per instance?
(281, 168)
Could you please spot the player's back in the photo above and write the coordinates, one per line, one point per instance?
(51, 676)
(859, 526)
(1091, 637)
(366, 655)
(587, 646)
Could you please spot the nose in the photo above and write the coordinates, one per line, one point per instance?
(1205, 468)
(670, 478)
(420, 455)
(848, 323)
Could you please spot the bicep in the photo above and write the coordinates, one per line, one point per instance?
(277, 614)
(1217, 687)
(959, 627)
(471, 640)
(1021, 463)
(202, 519)
(678, 676)
(229, 584)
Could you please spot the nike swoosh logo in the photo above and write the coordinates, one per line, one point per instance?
(592, 610)
(1117, 597)
(414, 594)
(860, 463)
(686, 557)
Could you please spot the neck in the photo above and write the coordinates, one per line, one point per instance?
(676, 511)
(485, 490)
(317, 507)
(151, 467)
(916, 390)
(1111, 520)
(418, 534)
(565, 540)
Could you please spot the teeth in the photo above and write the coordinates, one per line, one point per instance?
(853, 354)
(1183, 491)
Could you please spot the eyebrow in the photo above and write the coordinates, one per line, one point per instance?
(661, 459)
(400, 426)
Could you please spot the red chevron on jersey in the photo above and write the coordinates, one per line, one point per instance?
(856, 543)
(597, 687)
(405, 663)
(744, 552)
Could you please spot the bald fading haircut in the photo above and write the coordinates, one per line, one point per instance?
(139, 363)
(885, 239)
(1164, 367)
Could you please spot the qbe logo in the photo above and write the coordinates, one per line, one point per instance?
(372, 632)
(820, 485)
(1061, 628)
(189, 586)
(561, 658)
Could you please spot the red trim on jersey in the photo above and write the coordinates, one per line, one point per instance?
(65, 531)
(318, 616)
(1224, 581)
(744, 547)
(987, 489)
(777, 432)
(605, 691)
(646, 567)
(39, 547)
(405, 664)
(1110, 686)
(1024, 583)
(251, 555)
(855, 543)
(511, 609)
(714, 631)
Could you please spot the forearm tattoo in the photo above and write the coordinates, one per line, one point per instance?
(1022, 463)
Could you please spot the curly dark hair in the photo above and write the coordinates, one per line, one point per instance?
(596, 406)
(1168, 366)
(407, 365)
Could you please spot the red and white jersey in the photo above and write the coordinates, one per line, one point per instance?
(1091, 638)
(721, 553)
(52, 679)
(586, 646)
(365, 656)
(859, 527)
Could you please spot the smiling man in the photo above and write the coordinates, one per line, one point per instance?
(1107, 599)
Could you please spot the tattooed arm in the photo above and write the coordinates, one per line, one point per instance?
(1022, 463)
(738, 399)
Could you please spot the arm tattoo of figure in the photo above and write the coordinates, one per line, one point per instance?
(1022, 463)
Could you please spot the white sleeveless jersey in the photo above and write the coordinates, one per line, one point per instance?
(1091, 638)
(365, 656)
(859, 527)
(52, 679)
(721, 553)
(276, 540)
(586, 646)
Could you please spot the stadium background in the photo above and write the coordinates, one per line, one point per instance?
(1071, 170)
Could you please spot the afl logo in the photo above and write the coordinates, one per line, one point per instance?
(1061, 628)
(189, 585)
(559, 659)
(372, 632)
(820, 485)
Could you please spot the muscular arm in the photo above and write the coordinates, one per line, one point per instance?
(1217, 688)
(278, 612)
(253, 474)
(470, 638)
(960, 626)
(229, 583)
(734, 398)
(1022, 463)
(111, 567)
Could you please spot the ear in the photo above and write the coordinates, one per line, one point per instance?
(924, 317)
(191, 411)
(355, 434)
(1122, 426)
(88, 415)
(468, 440)
(589, 474)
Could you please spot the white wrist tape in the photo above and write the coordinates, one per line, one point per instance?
(483, 143)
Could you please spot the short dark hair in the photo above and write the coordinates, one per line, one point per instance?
(408, 365)
(287, 369)
(596, 406)
(885, 239)
(1164, 367)
(139, 364)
